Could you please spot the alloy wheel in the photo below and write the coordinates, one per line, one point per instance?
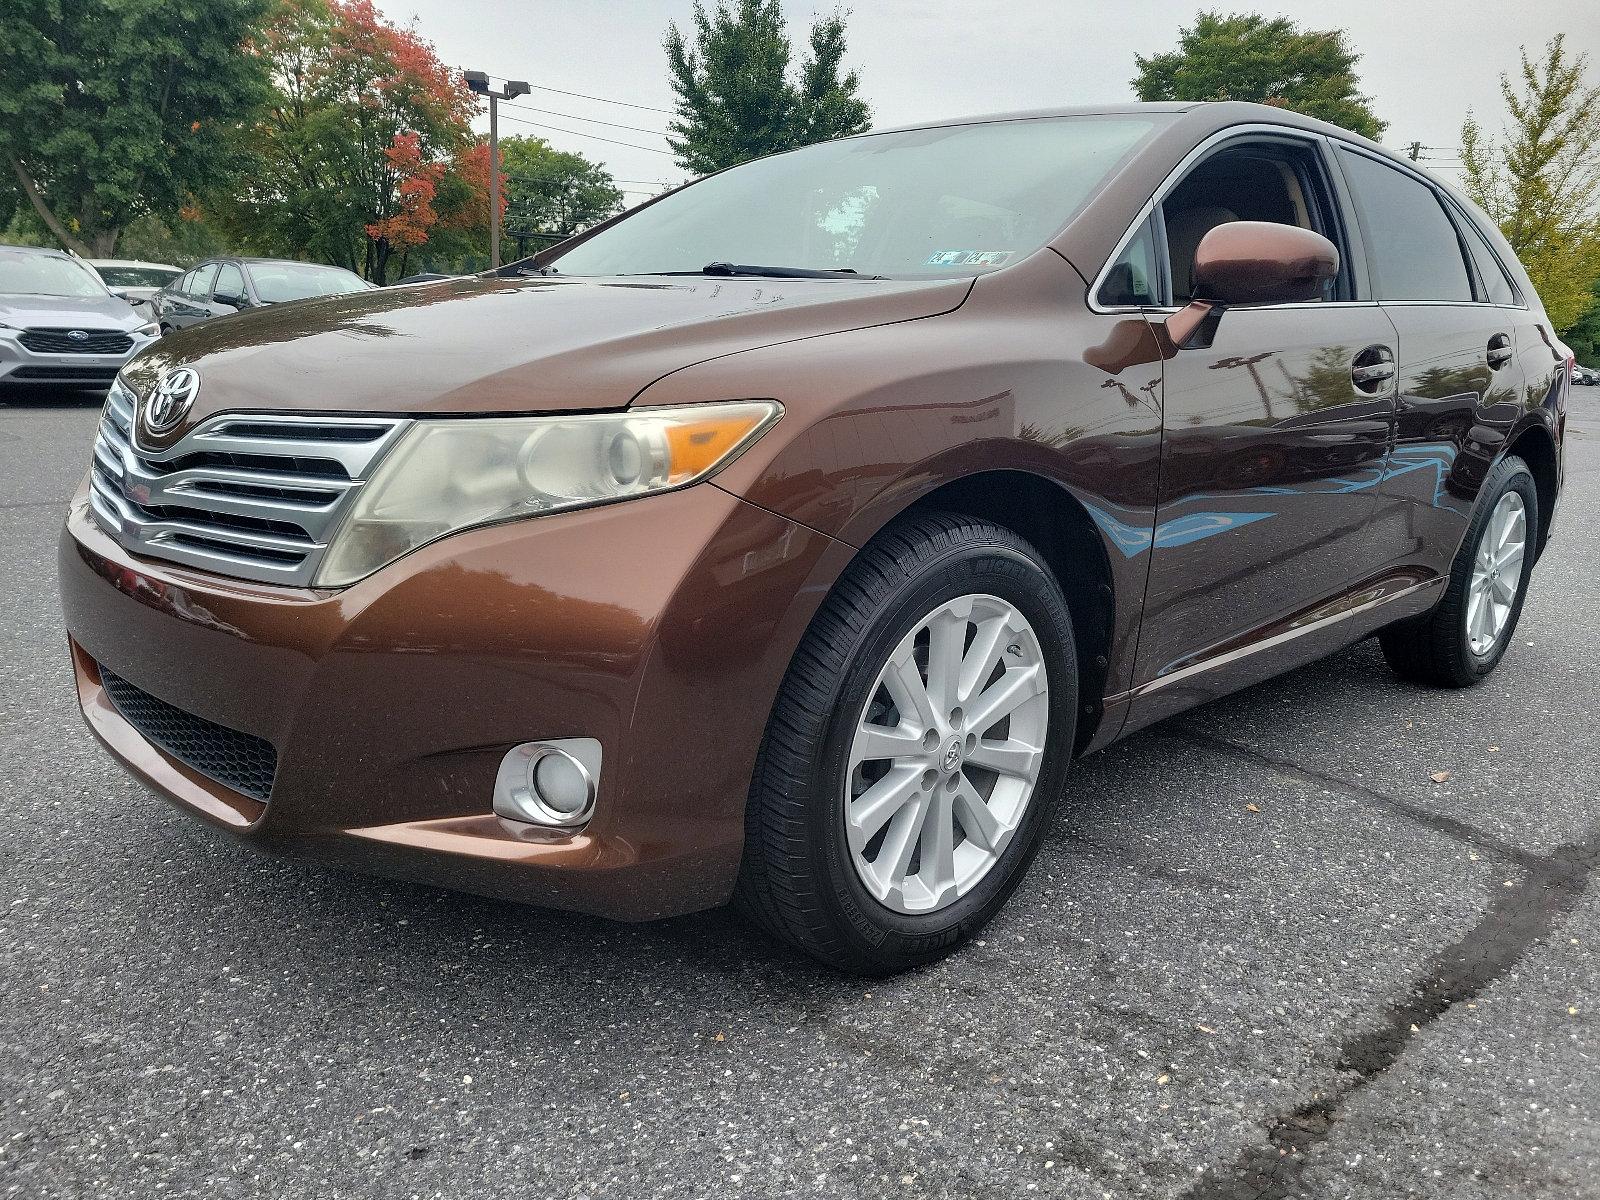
(1496, 574)
(946, 754)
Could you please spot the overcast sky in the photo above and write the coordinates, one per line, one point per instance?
(1424, 62)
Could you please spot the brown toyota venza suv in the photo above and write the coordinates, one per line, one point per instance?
(785, 539)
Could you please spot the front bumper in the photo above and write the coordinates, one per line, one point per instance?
(19, 365)
(660, 626)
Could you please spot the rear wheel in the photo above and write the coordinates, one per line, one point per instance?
(915, 750)
(1468, 633)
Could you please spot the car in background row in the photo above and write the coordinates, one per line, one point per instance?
(220, 287)
(59, 325)
(134, 281)
(1587, 376)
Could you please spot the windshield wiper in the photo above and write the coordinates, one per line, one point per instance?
(727, 268)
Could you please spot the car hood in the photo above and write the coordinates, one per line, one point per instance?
(512, 345)
(57, 312)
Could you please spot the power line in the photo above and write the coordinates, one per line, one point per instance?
(538, 87)
(592, 136)
(537, 176)
(550, 112)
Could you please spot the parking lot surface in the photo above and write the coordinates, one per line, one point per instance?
(1334, 936)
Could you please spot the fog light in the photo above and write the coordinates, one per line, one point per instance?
(549, 783)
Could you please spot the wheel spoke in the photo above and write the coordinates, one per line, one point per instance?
(979, 823)
(987, 646)
(947, 636)
(1510, 562)
(937, 870)
(1009, 757)
(901, 841)
(1505, 589)
(909, 693)
(1476, 602)
(876, 742)
(880, 802)
(1008, 693)
(1510, 518)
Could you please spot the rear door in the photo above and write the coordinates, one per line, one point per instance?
(1461, 336)
(228, 294)
(189, 305)
(1274, 441)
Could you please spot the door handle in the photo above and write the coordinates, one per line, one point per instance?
(1500, 352)
(1371, 368)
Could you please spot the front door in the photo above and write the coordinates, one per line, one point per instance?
(1271, 516)
(1272, 458)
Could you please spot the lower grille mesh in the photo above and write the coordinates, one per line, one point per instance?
(237, 760)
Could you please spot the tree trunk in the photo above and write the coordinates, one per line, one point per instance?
(40, 206)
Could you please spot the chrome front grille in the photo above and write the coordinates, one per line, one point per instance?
(256, 496)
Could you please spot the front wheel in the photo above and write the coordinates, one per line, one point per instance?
(916, 748)
(1467, 634)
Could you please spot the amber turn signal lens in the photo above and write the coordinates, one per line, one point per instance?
(695, 447)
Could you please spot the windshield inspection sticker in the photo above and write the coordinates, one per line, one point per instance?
(968, 258)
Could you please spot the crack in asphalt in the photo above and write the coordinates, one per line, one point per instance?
(1519, 915)
(1438, 822)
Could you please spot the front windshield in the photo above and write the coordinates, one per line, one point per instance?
(277, 283)
(25, 274)
(926, 202)
(152, 277)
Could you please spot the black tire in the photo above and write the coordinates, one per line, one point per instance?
(1434, 648)
(797, 879)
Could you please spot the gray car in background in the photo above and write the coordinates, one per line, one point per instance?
(59, 325)
(220, 287)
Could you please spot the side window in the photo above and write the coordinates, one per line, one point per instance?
(1134, 278)
(230, 281)
(1412, 245)
(204, 276)
(181, 288)
(1280, 182)
(1497, 285)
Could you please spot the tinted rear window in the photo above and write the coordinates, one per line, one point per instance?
(1411, 241)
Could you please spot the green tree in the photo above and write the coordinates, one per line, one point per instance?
(113, 109)
(1584, 334)
(362, 143)
(553, 191)
(1541, 184)
(735, 97)
(1245, 56)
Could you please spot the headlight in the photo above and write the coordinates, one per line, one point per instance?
(448, 475)
(149, 329)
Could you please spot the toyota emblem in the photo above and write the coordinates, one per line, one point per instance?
(172, 398)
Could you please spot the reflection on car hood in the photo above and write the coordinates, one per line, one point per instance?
(57, 312)
(513, 345)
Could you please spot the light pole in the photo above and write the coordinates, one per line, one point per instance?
(479, 83)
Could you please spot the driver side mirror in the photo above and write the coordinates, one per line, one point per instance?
(1251, 263)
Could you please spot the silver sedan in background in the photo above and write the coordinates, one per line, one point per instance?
(59, 325)
(135, 281)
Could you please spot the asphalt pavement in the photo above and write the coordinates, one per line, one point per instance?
(1265, 953)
